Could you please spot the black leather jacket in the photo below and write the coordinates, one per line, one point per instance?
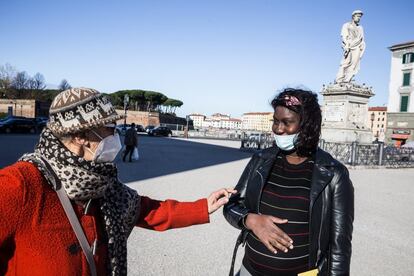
(331, 209)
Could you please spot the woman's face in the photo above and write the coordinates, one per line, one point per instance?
(94, 140)
(285, 121)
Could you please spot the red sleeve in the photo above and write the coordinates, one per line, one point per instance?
(11, 201)
(163, 215)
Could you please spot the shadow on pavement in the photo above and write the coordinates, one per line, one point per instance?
(162, 156)
(158, 156)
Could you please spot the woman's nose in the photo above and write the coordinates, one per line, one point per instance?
(279, 129)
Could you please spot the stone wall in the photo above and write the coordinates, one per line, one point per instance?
(25, 108)
(140, 117)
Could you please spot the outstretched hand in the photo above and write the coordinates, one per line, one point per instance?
(218, 198)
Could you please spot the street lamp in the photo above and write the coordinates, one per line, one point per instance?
(186, 128)
(126, 101)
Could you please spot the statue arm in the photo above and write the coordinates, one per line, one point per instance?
(345, 39)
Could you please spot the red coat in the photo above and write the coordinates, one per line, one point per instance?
(36, 237)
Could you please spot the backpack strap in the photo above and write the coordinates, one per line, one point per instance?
(240, 239)
(74, 221)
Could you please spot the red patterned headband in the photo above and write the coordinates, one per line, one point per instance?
(291, 100)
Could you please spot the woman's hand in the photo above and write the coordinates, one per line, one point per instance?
(218, 198)
(264, 227)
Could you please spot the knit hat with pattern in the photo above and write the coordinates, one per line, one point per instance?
(78, 109)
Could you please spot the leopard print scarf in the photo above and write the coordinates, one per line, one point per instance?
(84, 180)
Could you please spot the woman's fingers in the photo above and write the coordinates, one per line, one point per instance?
(283, 237)
(280, 243)
(270, 247)
(218, 198)
(224, 192)
(278, 220)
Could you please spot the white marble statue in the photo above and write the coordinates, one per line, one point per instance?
(353, 45)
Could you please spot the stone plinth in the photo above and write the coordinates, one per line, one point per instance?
(345, 112)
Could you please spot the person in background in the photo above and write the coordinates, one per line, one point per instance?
(295, 202)
(130, 142)
(63, 210)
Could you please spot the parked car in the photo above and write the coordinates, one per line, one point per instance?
(122, 128)
(40, 123)
(148, 128)
(403, 153)
(18, 125)
(160, 131)
(140, 128)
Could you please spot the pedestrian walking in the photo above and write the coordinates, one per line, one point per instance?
(295, 202)
(63, 210)
(130, 142)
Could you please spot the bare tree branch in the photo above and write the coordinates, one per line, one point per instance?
(64, 85)
(7, 74)
(21, 81)
(39, 82)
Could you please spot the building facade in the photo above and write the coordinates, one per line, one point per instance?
(260, 121)
(25, 108)
(400, 113)
(217, 120)
(377, 116)
(198, 119)
(231, 123)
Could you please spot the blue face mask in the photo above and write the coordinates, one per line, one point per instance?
(286, 142)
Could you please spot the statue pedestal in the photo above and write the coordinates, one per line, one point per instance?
(345, 113)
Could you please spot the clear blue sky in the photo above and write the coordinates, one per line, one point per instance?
(216, 56)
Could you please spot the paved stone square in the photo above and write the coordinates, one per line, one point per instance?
(383, 241)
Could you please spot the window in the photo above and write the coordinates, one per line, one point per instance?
(408, 58)
(406, 79)
(404, 104)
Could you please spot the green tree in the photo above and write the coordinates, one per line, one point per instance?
(143, 100)
(154, 99)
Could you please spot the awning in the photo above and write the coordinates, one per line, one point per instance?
(400, 136)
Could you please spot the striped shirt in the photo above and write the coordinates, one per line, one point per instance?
(285, 195)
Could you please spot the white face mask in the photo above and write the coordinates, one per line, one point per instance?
(286, 142)
(107, 149)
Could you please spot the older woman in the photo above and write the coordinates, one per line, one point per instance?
(295, 204)
(63, 210)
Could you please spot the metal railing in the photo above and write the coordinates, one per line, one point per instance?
(353, 154)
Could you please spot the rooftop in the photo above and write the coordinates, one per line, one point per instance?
(377, 108)
(401, 46)
(219, 115)
(257, 113)
(196, 114)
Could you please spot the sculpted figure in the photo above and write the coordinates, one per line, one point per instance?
(353, 45)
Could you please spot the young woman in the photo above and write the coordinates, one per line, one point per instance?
(295, 202)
